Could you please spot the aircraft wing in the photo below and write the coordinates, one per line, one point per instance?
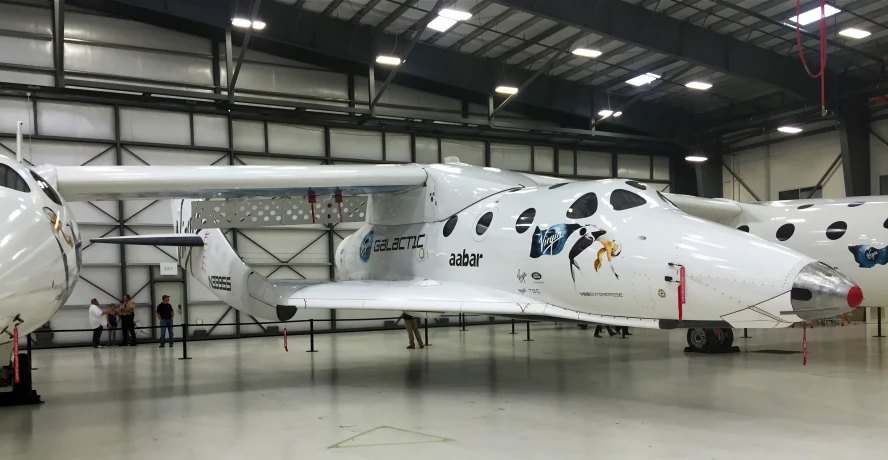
(714, 209)
(421, 296)
(82, 183)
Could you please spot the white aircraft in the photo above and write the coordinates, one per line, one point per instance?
(439, 238)
(848, 234)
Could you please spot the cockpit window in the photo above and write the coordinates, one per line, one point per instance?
(10, 178)
(585, 206)
(624, 199)
(47, 189)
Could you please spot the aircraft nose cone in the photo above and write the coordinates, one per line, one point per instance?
(821, 292)
(855, 297)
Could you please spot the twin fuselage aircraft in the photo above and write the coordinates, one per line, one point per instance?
(448, 238)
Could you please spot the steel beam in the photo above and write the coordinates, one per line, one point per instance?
(528, 61)
(509, 34)
(420, 27)
(474, 11)
(529, 81)
(332, 7)
(823, 178)
(482, 28)
(232, 78)
(666, 35)
(356, 19)
(58, 41)
(742, 182)
(394, 15)
(854, 136)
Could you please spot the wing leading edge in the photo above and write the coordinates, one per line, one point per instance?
(82, 183)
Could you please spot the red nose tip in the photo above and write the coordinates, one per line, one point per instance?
(855, 296)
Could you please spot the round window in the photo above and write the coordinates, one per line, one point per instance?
(449, 225)
(483, 223)
(525, 220)
(585, 206)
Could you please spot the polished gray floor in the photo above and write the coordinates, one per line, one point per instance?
(479, 394)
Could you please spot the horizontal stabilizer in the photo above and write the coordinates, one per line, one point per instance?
(175, 239)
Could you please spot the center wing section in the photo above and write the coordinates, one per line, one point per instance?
(84, 183)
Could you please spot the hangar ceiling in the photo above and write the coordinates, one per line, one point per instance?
(745, 49)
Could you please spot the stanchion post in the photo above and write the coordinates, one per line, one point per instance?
(528, 339)
(463, 321)
(879, 323)
(426, 327)
(184, 343)
(745, 335)
(30, 355)
(311, 335)
(513, 328)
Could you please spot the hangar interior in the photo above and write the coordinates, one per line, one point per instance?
(132, 82)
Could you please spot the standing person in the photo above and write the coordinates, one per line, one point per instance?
(128, 321)
(96, 322)
(165, 315)
(410, 323)
(598, 329)
(112, 323)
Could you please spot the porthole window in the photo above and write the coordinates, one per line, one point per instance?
(836, 230)
(562, 184)
(855, 204)
(805, 206)
(743, 228)
(525, 220)
(585, 206)
(621, 200)
(483, 223)
(47, 189)
(450, 225)
(785, 232)
(885, 224)
(10, 178)
(636, 184)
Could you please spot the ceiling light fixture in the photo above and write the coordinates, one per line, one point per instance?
(696, 158)
(241, 22)
(258, 25)
(789, 129)
(585, 52)
(643, 79)
(502, 89)
(698, 85)
(441, 24)
(604, 113)
(854, 33)
(456, 15)
(813, 15)
(388, 60)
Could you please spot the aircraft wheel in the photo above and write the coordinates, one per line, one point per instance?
(727, 339)
(702, 340)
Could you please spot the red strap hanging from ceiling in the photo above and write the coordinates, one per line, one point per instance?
(823, 51)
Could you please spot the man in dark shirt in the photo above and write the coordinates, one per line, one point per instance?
(165, 315)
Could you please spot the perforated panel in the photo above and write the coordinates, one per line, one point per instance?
(266, 212)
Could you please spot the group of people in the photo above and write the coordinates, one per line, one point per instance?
(612, 331)
(125, 318)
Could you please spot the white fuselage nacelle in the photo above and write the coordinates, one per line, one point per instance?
(610, 247)
(848, 234)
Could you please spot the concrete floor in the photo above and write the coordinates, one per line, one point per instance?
(479, 394)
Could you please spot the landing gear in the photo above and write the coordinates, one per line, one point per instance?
(708, 340)
(22, 392)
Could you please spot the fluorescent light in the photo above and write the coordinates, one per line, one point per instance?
(813, 15)
(606, 113)
(789, 129)
(388, 60)
(854, 33)
(455, 14)
(258, 25)
(241, 22)
(441, 24)
(698, 85)
(506, 89)
(583, 52)
(643, 79)
(696, 158)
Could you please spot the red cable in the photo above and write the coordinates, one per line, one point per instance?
(823, 49)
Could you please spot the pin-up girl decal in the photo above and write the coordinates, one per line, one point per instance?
(609, 248)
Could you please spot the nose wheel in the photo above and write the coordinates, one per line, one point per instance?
(709, 340)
